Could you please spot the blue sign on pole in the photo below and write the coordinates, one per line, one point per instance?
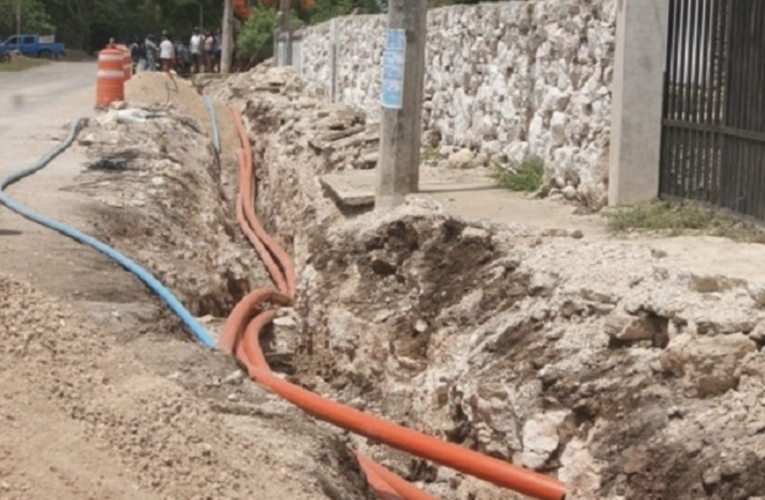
(392, 93)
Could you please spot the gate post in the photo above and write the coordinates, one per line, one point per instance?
(637, 100)
(333, 60)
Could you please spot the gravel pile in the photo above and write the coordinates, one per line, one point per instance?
(83, 419)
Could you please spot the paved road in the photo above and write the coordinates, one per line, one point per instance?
(44, 95)
(36, 107)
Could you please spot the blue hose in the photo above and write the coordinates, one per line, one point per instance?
(214, 120)
(142, 274)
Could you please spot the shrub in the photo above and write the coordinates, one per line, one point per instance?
(528, 177)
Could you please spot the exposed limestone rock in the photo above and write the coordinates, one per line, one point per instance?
(511, 78)
(758, 333)
(540, 438)
(636, 328)
(708, 364)
(757, 292)
(461, 159)
(582, 358)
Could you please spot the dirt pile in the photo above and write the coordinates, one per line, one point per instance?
(593, 362)
(83, 419)
(641, 384)
(157, 179)
(157, 90)
(159, 197)
(590, 361)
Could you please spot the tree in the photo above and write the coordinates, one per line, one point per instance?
(34, 18)
(88, 24)
(318, 11)
(256, 35)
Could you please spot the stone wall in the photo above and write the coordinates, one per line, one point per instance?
(511, 79)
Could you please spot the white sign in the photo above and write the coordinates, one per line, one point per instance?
(392, 92)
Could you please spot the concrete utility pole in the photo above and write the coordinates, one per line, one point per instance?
(227, 45)
(402, 96)
(18, 24)
(283, 44)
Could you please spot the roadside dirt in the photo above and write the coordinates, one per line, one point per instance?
(89, 420)
(530, 338)
(101, 386)
(626, 371)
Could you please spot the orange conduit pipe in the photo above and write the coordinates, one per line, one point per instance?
(273, 269)
(246, 345)
(451, 455)
(242, 339)
(402, 487)
(276, 250)
(243, 313)
(382, 490)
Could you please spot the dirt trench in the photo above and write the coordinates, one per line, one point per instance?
(590, 361)
(161, 195)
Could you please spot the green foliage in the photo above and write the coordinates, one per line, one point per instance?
(682, 218)
(257, 33)
(431, 154)
(324, 10)
(88, 24)
(443, 3)
(528, 177)
(34, 18)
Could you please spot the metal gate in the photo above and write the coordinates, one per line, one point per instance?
(713, 137)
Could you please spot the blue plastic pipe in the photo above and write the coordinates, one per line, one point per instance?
(214, 120)
(142, 274)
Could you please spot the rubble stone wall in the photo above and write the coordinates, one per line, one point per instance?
(511, 79)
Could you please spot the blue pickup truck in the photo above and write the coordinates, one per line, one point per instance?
(34, 46)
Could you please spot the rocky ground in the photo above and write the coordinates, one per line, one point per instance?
(589, 360)
(104, 395)
(592, 360)
(85, 418)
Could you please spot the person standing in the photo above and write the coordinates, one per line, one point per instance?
(209, 51)
(217, 50)
(151, 53)
(135, 54)
(182, 58)
(195, 47)
(166, 53)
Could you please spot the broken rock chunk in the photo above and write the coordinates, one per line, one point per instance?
(707, 364)
(540, 438)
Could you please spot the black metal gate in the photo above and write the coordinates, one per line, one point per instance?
(713, 138)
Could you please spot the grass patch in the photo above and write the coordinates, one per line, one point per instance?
(682, 218)
(22, 63)
(430, 153)
(528, 177)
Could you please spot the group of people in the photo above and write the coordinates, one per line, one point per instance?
(202, 54)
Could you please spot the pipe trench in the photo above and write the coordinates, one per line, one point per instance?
(256, 310)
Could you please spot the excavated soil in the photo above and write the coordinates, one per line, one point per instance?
(73, 400)
(116, 379)
(149, 178)
(591, 361)
(587, 360)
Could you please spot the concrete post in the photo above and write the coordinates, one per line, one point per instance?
(401, 133)
(227, 44)
(637, 100)
(18, 25)
(284, 22)
(333, 60)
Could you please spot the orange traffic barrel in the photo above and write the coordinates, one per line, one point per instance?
(127, 62)
(110, 85)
